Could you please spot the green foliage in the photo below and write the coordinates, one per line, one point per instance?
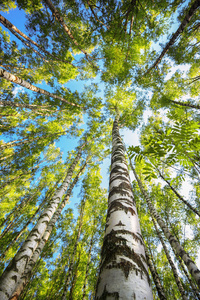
(110, 47)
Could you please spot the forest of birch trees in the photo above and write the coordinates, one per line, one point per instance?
(99, 149)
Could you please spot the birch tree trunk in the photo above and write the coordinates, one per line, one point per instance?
(192, 284)
(74, 278)
(182, 26)
(15, 270)
(15, 30)
(72, 258)
(179, 196)
(123, 269)
(87, 267)
(185, 104)
(22, 230)
(173, 267)
(37, 252)
(156, 279)
(177, 248)
(15, 79)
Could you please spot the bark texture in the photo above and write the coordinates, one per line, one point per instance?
(123, 270)
(15, 270)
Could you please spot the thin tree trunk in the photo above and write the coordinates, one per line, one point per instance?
(15, 270)
(37, 252)
(18, 208)
(15, 79)
(179, 196)
(72, 258)
(25, 105)
(24, 41)
(182, 26)
(59, 18)
(196, 106)
(155, 276)
(21, 175)
(25, 141)
(23, 229)
(33, 272)
(177, 248)
(14, 29)
(87, 267)
(123, 270)
(173, 267)
(8, 227)
(193, 286)
(74, 279)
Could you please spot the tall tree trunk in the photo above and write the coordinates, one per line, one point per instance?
(182, 26)
(177, 248)
(15, 270)
(179, 196)
(155, 276)
(37, 252)
(72, 258)
(173, 267)
(8, 227)
(17, 208)
(87, 266)
(23, 229)
(123, 270)
(74, 279)
(34, 271)
(15, 79)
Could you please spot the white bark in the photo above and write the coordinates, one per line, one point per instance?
(177, 248)
(15, 79)
(14, 272)
(44, 239)
(123, 271)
